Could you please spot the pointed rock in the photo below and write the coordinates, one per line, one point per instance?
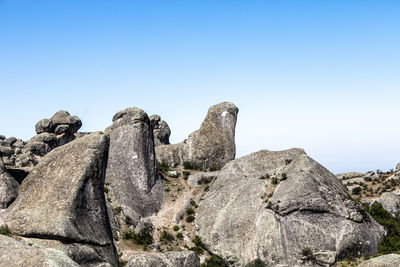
(211, 146)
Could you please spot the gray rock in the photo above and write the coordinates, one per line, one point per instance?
(390, 202)
(325, 257)
(2, 137)
(173, 174)
(132, 175)
(41, 144)
(61, 117)
(201, 178)
(398, 167)
(43, 126)
(167, 259)
(272, 205)
(8, 187)
(213, 145)
(63, 197)
(6, 151)
(60, 129)
(11, 140)
(390, 260)
(161, 130)
(18, 254)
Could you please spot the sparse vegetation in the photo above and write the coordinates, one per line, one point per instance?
(186, 174)
(190, 218)
(162, 167)
(5, 231)
(166, 237)
(214, 168)
(256, 263)
(128, 221)
(214, 261)
(179, 235)
(106, 190)
(190, 211)
(176, 228)
(144, 237)
(117, 210)
(191, 166)
(275, 180)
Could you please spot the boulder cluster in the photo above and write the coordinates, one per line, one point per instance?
(126, 197)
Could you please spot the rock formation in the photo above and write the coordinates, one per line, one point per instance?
(390, 260)
(8, 187)
(15, 253)
(390, 202)
(132, 177)
(161, 131)
(212, 146)
(168, 259)
(273, 205)
(62, 199)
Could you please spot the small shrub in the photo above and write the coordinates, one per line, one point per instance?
(190, 211)
(193, 203)
(275, 180)
(207, 188)
(214, 261)
(214, 168)
(190, 218)
(306, 252)
(5, 231)
(287, 161)
(109, 199)
(356, 190)
(197, 241)
(256, 263)
(284, 176)
(176, 228)
(106, 190)
(190, 166)
(198, 250)
(179, 235)
(186, 174)
(128, 221)
(122, 262)
(166, 237)
(203, 180)
(163, 167)
(265, 176)
(117, 210)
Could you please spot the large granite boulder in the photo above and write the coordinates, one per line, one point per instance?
(211, 146)
(17, 254)
(276, 206)
(161, 130)
(167, 259)
(132, 177)
(8, 187)
(390, 260)
(390, 202)
(63, 198)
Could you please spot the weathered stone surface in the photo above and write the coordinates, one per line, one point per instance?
(63, 198)
(390, 202)
(271, 205)
(43, 126)
(18, 254)
(390, 260)
(132, 175)
(8, 187)
(201, 178)
(213, 145)
(173, 174)
(161, 130)
(167, 259)
(5, 151)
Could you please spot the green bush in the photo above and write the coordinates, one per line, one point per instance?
(391, 242)
(190, 166)
(275, 180)
(176, 228)
(356, 190)
(190, 218)
(189, 211)
(198, 250)
(117, 210)
(179, 235)
(5, 231)
(306, 252)
(203, 180)
(256, 263)
(166, 237)
(162, 167)
(128, 221)
(144, 237)
(197, 241)
(106, 190)
(186, 174)
(214, 261)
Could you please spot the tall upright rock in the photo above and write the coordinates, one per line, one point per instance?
(61, 203)
(213, 145)
(274, 205)
(132, 176)
(161, 130)
(8, 187)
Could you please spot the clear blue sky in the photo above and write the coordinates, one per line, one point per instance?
(321, 75)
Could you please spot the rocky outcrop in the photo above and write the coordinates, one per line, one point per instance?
(201, 178)
(167, 259)
(132, 177)
(18, 254)
(390, 202)
(8, 187)
(390, 260)
(274, 205)
(62, 199)
(212, 146)
(161, 131)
